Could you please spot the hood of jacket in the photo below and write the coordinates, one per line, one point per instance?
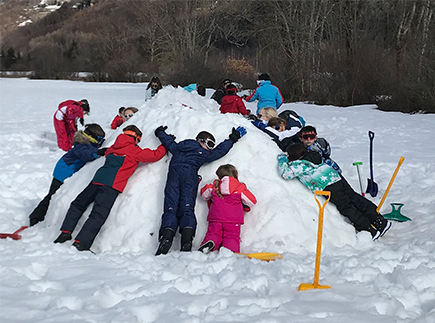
(121, 145)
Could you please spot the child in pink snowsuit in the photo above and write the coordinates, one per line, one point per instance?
(227, 199)
(65, 121)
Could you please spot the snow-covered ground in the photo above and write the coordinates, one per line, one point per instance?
(389, 280)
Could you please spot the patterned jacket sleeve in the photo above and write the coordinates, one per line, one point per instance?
(206, 191)
(284, 168)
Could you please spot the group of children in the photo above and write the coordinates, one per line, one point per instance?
(306, 157)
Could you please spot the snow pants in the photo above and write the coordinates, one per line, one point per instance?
(350, 204)
(65, 135)
(180, 198)
(103, 197)
(223, 235)
(40, 211)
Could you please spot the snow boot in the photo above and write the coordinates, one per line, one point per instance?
(382, 225)
(187, 235)
(79, 246)
(207, 247)
(375, 233)
(64, 236)
(165, 241)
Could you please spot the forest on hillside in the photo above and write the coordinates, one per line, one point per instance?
(340, 52)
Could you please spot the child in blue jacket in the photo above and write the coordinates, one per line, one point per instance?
(86, 148)
(183, 180)
(267, 94)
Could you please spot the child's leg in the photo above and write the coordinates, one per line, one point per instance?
(104, 201)
(231, 237)
(170, 206)
(78, 206)
(342, 201)
(214, 233)
(63, 141)
(186, 205)
(40, 211)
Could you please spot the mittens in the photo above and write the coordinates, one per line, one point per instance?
(159, 130)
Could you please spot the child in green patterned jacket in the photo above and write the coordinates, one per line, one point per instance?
(308, 168)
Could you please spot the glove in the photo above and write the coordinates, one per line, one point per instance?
(259, 124)
(244, 97)
(82, 121)
(236, 134)
(282, 158)
(172, 136)
(252, 117)
(159, 130)
(101, 151)
(246, 208)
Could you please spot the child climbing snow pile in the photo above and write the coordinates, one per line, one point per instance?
(227, 200)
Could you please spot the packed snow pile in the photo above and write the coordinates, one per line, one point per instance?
(135, 218)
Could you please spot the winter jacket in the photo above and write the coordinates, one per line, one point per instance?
(190, 87)
(228, 208)
(122, 159)
(65, 123)
(268, 96)
(81, 153)
(282, 138)
(149, 93)
(314, 176)
(321, 146)
(233, 104)
(218, 95)
(116, 122)
(189, 152)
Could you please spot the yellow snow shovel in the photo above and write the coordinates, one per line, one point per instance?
(315, 284)
(401, 160)
(264, 256)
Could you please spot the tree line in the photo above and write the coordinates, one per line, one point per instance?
(340, 52)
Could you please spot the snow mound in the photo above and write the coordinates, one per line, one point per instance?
(284, 209)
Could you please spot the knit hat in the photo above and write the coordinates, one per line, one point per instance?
(264, 77)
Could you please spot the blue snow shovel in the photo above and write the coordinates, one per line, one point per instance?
(372, 187)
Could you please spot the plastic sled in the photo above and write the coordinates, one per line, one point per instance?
(264, 256)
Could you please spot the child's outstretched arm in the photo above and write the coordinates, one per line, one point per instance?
(284, 168)
(167, 140)
(224, 147)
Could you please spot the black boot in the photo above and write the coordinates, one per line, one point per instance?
(382, 225)
(165, 241)
(79, 246)
(64, 236)
(187, 235)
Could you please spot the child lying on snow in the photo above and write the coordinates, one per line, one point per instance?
(183, 180)
(308, 168)
(122, 159)
(227, 198)
(85, 149)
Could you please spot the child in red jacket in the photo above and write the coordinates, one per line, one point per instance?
(122, 159)
(232, 103)
(227, 198)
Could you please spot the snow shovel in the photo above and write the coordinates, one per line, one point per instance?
(401, 160)
(264, 256)
(357, 164)
(15, 235)
(372, 187)
(316, 284)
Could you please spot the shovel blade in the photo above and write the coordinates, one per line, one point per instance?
(304, 286)
(264, 256)
(372, 188)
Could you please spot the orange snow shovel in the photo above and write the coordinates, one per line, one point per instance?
(401, 160)
(15, 235)
(264, 256)
(316, 284)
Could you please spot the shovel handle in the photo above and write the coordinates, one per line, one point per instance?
(401, 160)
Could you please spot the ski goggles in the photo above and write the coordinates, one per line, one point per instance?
(128, 116)
(307, 136)
(99, 140)
(133, 134)
(208, 143)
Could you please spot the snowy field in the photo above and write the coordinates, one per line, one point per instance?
(389, 280)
